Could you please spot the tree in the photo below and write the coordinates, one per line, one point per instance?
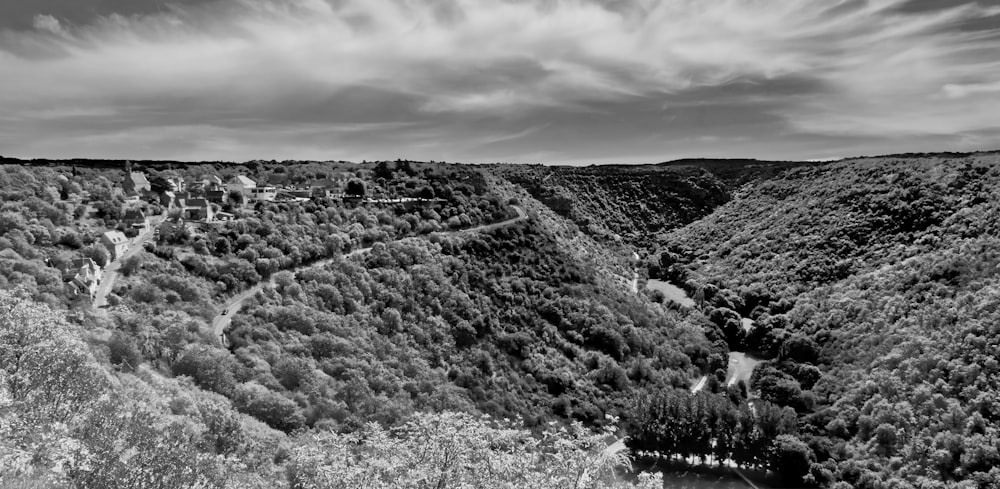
(124, 352)
(124, 441)
(800, 349)
(98, 253)
(43, 365)
(158, 183)
(355, 187)
(210, 367)
(131, 264)
(791, 459)
(268, 406)
(459, 450)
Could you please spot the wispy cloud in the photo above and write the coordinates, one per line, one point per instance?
(284, 78)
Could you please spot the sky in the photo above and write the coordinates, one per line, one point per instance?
(523, 81)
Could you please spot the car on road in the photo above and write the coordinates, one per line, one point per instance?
(225, 311)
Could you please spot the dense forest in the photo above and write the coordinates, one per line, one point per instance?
(430, 324)
(871, 285)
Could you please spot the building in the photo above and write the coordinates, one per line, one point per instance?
(135, 183)
(84, 276)
(199, 210)
(300, 195)
(241, 184)
(211, 182)
(116, 243)
(135, 218)
(177, 184)
(328, 187)
(168, 199)
(216, 196)
(266, 194)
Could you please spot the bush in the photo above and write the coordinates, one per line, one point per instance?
(124, 352)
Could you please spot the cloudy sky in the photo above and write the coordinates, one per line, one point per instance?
(532, 81)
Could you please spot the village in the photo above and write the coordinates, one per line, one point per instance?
(191, 204)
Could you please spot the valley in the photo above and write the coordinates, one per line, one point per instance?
(814, 324)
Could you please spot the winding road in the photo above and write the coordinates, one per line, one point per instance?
(110, 275)
(225, 314)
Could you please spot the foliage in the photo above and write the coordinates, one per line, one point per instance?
(501, 323)
(451, 450)
(869, 286)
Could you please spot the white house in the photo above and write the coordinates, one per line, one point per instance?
(241, 184)
(116, 243)
(85, 276)
(263, 193)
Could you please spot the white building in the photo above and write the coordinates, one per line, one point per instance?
(241, 184)
(264, 193)
(116, 243)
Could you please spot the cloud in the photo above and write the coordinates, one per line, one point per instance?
(47, 23)
(445, 77)
(953, 91)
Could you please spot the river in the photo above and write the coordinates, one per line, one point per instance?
(693, 480)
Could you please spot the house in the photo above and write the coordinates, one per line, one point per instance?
(216, 196)
(327, 187)
(168, 199)
(116, 243)
(135, 183)
(84, 276)
(264, 193)
(241, 184)
(72, 268)
(199, 210)
(176, 184)
(212, 182)
(135, 218)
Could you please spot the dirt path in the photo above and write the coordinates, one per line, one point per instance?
(225, 314)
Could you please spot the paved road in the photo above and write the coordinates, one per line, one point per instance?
(225, 315)
(700, 384)
(110, 275)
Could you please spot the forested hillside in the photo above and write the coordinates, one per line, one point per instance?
(622, 204)
(403, 324)
(375, 302)
(619, 204)
(872, 286)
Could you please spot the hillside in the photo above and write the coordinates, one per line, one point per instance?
(631, 204)
(622, 205)
(871, 284)
(469, 310)
(373, 308)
